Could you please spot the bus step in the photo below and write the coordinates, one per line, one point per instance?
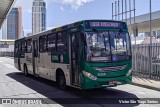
(36, 75)
(76, 84)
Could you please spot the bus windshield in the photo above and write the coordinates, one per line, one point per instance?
(107, 46)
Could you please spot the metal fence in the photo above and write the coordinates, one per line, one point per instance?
(6, 49)
(146, 61)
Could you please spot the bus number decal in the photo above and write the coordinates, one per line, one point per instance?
(101, 74)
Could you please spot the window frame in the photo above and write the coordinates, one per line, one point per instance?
(55, 48)
(27, 45)
(64, 34)
(23, 50)
(16, 47)
(44, 45)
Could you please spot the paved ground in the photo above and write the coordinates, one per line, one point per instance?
(152, 84)
(13, 84)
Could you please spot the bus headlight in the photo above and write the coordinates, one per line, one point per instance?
(89, 75)
(129, 73)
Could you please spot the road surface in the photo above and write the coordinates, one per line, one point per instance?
(13, 84)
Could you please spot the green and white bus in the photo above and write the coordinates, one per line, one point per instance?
(86, 54)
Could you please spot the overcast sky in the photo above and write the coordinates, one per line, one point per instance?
(61, 12)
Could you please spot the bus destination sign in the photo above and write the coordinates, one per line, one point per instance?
(104, 24)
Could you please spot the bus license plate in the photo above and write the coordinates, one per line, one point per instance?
(112, 82)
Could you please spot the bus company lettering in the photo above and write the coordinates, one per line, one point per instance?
(104, 24)
(26, 101)
(54, 57)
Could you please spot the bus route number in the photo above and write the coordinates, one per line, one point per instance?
(101, 74)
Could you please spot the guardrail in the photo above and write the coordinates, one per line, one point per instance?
(6, 54)
(6, 49)
(146, 61)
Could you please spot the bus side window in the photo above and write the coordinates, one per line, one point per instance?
(29, 46)
(43, 44)
(19, 47)
(16, 47)
(23, 46)
(51, 42)
(62, 42)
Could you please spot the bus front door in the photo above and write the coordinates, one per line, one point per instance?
(75, 59)
(35, 57)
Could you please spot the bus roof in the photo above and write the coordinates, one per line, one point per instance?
(72, 25)
(81, 22)
(77, 23)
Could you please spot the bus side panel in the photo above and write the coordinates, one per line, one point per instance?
(45, 66)
(65, 68)
(16, 62)
(22, 61)
(29, 62)
(60, 61)
(40, 65)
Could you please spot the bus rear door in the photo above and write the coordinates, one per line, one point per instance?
(35, 57)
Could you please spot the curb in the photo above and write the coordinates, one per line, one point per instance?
(145, 86)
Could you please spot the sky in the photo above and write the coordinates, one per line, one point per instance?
(62, 12)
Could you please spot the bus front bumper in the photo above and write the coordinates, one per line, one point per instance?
(106, 82)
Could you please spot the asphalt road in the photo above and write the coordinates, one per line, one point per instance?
(13, 84)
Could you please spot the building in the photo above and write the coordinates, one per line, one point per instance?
(7, 48)
(12, 28)
(38, 16)
(5, 6)
(143, 24)
(29, 34)
(4, 30)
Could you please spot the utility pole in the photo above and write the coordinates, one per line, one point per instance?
(118, 11)
(122, 10)
(150, 22)
(126, 10)
(150, 52)
(130, 16)
(112, 12)
(135, 27)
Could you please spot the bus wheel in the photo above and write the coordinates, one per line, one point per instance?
(61, 81)
(25, 71)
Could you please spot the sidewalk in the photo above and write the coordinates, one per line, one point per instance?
(147, 83)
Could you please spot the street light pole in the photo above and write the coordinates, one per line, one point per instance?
(150, 22)
(112, 12)
(134, 5)
(122, 10)
(150, 38)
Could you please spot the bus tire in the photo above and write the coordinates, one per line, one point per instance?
(61, 81)
(25, 71)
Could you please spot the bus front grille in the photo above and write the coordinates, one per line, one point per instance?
(110, 69)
